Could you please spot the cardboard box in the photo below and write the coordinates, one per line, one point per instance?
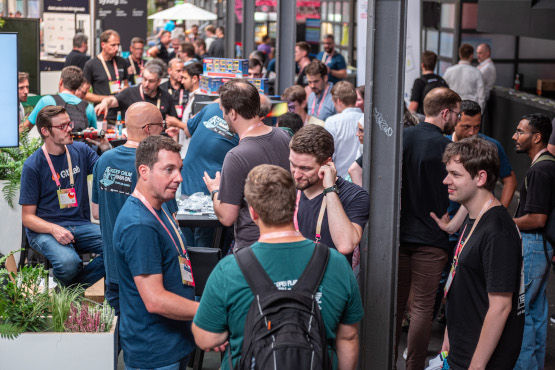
(211, 85)
(225, 67)
(260, 83)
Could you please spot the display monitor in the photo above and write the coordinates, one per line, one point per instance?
(9, 101)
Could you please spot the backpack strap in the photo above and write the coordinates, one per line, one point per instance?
(59, 100)
(543, 157)
(314, 272)
(252, 270)
(82, 106)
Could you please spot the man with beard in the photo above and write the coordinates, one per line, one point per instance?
(320, 102)
(330, 210)
(423, 249)
(337, 68)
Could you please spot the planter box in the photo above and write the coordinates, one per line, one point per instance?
(10, 227)
(59, 351)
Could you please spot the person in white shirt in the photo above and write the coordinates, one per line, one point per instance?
(465, 79)
(486, 67)
(343, 126)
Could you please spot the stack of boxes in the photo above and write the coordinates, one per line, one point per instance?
(216, 71)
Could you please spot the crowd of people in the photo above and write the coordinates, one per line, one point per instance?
(289, 191)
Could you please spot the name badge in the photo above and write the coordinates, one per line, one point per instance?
(67, 198)
(186, 271)
(179, 110)
(115, 87)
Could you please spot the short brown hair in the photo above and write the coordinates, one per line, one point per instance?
(303, 45)
(429, 60)
(295, 93)
(241, 96)
(475, 154)
(45, 115)
(344, 91)
(22, 77)
(72, 77)
(314, 140)
(136, 40)
(105, 36)
(210, 28)
(316, 67)
(270, 191)
(439, 99)
(466, 51)
(147, 152)
(188, 49)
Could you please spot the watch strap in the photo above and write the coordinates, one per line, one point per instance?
(331, 189)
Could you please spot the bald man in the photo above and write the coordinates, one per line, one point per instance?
(114, 179)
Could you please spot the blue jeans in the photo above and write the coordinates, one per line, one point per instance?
(536, 267)
(179, 365)
(65, 261)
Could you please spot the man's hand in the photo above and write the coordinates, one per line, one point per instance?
(328, 173)
(101, 109)
(445, 346)
(442, 222)
(103, 144)
(173, 132)
(220, 348)
(212, 184)
(62, 235)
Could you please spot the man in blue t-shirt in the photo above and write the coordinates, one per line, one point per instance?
(155, 279)
(320, 102)
(284, 254)
(71, 80)
(114, 179)
(55, 200)
(337, 68)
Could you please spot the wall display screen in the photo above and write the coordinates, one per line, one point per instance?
(9, 105)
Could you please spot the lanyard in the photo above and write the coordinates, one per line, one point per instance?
(327, 57)
(170, 90)
(143, 96)
(252, 127)
(69, 166)
(317, 235)
(106, 67)
(132, 143)
(143, 200)
(319, 105)
(133, 64)
(278, 234)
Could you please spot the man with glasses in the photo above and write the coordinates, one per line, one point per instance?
(537, 202)
(337, 68)
(55, 201)
(424, 246)
(135, 60)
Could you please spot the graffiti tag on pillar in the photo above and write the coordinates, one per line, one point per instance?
(382, 124)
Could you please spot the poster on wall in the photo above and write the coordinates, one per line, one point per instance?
(59, 29)
(127, 17)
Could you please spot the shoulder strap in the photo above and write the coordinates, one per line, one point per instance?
(59, 100)
(252, 270)
(314, 272)
(543, 157)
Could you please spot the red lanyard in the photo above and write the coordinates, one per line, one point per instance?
(317, 235)
(54, 175)
(278, 234)
(143, 200)
(170, 90)
(106, 67)
(319, 105)
(143, 96)
(133, 65)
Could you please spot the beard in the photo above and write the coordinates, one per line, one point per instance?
(305, 184)
(449, 128)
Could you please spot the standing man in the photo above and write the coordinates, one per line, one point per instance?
(22, 93)
(78, 56)
(217, 47)
(320, 102)
(345, 205)
(114, 179)
(255, 68)
(485, 307)
(160, 50)
(135, 60)
(210, 32)
(465, 79)
(55, 201)
(334, 61)
(155, 280)
(486, 67)
(426, 83)
(187, 53)
(423, 247)
(174, 87)
(283, 254)
(258, 144)
(537, 201)
(200, 49)
(343, 126)
(107, 73)
(193, 33)
(296, 99)
(302, 50)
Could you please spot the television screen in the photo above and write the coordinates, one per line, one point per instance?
(9, 102)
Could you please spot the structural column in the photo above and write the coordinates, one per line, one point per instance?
(230, 29)
(285, 51)
(385, 60)
(247, 31)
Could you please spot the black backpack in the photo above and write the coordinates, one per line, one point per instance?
(77, 112)
(432, 83)
(284, 328)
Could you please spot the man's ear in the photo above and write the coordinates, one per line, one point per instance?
(144, 171)
(327, 161)
(255, 217)
(482, 178)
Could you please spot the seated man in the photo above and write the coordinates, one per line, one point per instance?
(55, 200)
(344, 205)
(270, 194)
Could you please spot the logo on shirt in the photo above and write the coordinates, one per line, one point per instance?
(116, 181)
(288, 285)
(219, 126)
(65, 173)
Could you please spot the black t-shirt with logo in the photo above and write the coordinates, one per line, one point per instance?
(133, 95)
(491, 262)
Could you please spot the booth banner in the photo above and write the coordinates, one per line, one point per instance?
(66, 6)
(59, 29)
(128, 17)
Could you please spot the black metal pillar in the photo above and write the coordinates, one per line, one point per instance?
(230, 29)
(247, 31)
(385, 61)
(285, 51)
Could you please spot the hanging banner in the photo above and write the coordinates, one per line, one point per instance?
(66, 6)
(127, 17)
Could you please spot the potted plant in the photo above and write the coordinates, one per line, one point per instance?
(52, 328)
(11, 164)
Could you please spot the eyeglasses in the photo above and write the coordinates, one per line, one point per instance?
(64, 126)
(161, 124)
(520, 133)
(459, 114)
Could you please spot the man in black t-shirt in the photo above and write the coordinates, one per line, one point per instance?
(149, 91)
(426, 83)
(346, 205)
(107, 73)
(174, 87)
(484, 291)
(537, 201)
(78, 56)
(135, 61)
(160, 50)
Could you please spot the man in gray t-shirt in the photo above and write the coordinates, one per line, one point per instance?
(259, 144)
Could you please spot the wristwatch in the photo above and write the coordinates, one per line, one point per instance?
(214, 193)
(331, 189)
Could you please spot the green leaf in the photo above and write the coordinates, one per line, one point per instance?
(10, 331)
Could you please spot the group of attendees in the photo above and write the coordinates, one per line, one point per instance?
(286, 190)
